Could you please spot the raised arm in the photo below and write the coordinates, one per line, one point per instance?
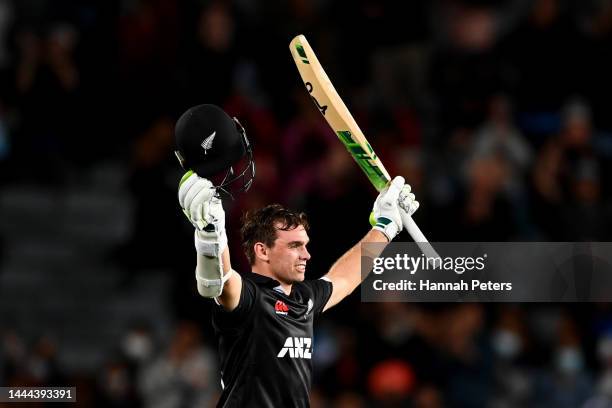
(345, 274)
(214, 275)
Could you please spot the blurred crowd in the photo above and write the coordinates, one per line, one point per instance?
(495, 111)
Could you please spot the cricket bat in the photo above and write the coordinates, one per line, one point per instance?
(337, 115)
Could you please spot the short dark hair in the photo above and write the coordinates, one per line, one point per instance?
(261, 226)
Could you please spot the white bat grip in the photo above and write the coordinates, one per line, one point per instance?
(418, 236)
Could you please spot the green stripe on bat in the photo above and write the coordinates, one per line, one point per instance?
(302, 53)
(375, 175)
(370, 148)
(363, 159)
(347, 138)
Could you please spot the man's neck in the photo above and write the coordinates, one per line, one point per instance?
(286, 287)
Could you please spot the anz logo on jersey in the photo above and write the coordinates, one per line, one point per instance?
(296, 347)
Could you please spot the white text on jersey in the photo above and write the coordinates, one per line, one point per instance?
(298, 347)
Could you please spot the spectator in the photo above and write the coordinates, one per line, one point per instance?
(514, 381)
(183, 375)
(568, 385)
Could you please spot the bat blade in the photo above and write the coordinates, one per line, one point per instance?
(326, 99)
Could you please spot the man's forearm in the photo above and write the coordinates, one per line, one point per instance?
(345, 274)
(348, 266)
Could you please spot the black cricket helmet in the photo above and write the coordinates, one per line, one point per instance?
(211, 143)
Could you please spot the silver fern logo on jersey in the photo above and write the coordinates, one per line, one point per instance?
(309, 308)
(208, 142)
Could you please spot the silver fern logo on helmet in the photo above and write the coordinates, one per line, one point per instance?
(208, 142)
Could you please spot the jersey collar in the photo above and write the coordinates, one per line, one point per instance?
(263, 280)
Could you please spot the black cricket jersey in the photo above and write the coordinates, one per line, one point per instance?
(265, 343)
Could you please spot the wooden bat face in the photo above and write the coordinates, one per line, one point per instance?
(335, 112)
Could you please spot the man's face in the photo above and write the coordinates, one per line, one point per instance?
(288, 255)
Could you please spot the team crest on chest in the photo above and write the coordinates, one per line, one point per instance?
(281, 308)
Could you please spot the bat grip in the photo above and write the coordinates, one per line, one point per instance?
(417, 236)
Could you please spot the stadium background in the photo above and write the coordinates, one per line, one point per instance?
(497, 112)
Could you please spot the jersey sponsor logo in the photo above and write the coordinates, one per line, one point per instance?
(296, 347)
(280, 307)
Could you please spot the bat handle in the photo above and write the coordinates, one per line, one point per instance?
(418, 237)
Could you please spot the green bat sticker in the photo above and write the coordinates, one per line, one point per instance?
(364, 159)
(301, 53)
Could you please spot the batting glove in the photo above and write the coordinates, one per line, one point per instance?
(386, 211)
(205, 212)
(407, 201)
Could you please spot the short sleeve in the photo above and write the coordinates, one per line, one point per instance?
(321, 290)
(236, 318)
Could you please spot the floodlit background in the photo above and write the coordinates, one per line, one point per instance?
(496, 112)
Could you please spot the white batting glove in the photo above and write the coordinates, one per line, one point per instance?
(386, 211)
(407, 201)
(205, 212)
(196, 196)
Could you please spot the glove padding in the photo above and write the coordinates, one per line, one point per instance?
(386, 212)
(196, 196)
(205, 212)
(407, 201)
